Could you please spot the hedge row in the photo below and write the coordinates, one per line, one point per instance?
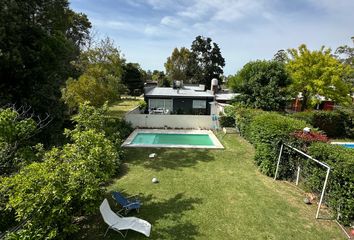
(267, 130)
(340, 191)
(335, 124)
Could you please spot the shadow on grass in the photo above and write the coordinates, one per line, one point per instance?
(168, 158)
(170, 212)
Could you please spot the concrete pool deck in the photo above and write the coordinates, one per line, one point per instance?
(215, 140)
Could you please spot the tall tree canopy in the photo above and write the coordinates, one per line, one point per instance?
(101, 79)
(38, 40)
(318, 73)
(346, 55)
(161, 78)
(133, 78)
(262, 84)
(177, 64)
(206, 61)
(281, 56)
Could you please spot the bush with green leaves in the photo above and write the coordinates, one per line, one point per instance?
(68, 182)
(114, 129)
(142, 105)
(15, 132)
(244, 116)
(267, 131)
(227, 121)
(340, 189)
(339, 123)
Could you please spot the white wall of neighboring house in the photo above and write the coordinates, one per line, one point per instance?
(169, 121)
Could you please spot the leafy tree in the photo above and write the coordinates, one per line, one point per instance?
(67, 182)
(262, 85)
(177, 64)
(17, 147)
(206, 61)
(281, 56)
(38, 40)
(102, 69)
(318, 73)
(161, 78)
(346, 55)
(147, 75)
(133, 78)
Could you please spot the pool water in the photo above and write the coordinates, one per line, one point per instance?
(172, 139)
(348, 145)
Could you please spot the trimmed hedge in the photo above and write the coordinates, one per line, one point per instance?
(335, 124)
(266, 132)
(227, 121)
(244, 116)
(340, 190)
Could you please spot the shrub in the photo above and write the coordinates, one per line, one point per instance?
(227, 121)
(310, 137)
(244, 117)
(50, 194)
(142, 105)
(339, 123)
(68, 181)
(340, 190)
(267, 131)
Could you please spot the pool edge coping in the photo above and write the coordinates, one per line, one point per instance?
(130, 138)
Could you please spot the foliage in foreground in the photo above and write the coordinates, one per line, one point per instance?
(38, 40)
(15, 148)
(67, 183)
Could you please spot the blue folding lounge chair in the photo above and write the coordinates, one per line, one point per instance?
(127, 203)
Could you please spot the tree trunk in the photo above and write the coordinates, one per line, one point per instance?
(304, 101)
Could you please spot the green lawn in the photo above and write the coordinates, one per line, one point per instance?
(119, 108)
(211, 194)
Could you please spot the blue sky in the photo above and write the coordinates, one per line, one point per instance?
(146, 31)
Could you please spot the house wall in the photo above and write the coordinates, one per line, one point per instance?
(185, 105)
(170, 121)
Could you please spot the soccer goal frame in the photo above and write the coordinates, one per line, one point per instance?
(298, 171)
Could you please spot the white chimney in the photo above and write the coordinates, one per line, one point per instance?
(214, 85)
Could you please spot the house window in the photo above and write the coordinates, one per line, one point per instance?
(199, 104)
(166, 104)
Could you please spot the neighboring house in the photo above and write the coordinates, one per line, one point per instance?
(323, 103)
(184, 99)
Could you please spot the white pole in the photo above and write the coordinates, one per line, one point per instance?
(297, 175)
(322, 194)
(276, 170)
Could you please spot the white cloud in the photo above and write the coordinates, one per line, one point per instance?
(152, 30)
(222, 10)
(171, 21)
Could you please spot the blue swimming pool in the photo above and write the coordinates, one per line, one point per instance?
(348, 145)
(172, 138)
(345, 144)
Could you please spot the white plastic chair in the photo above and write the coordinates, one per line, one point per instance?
(118, 223)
